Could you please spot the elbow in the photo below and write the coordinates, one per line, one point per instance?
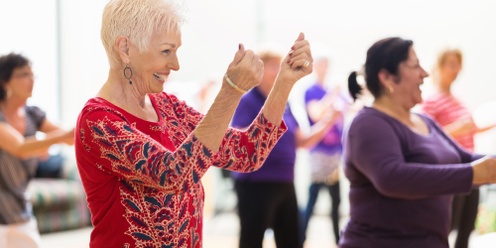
(395, 189)
(386, 188)
(258, 163)
(18, 151)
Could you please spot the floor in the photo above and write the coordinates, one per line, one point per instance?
(222, 232)
(221, 228)
(219, 232)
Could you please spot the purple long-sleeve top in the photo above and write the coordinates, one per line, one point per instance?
(401, 182)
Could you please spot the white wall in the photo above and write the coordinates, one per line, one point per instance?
(350, 27)
(215, 28)
(83, 62)
(29, 27)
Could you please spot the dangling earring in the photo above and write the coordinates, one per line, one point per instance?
(391, 89)
(128, 70)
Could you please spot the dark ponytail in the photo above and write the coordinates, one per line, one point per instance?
(353, 87)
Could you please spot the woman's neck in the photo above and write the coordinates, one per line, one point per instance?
(12, 105)
(128, 99)
(121, 93)
(14, 113)
(320, 81)
(443, 86)
(395, 110)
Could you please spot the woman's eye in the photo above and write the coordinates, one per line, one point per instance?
(167, 51)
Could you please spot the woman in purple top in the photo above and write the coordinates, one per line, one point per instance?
(403, 169)
(267, 197)
(325, 157)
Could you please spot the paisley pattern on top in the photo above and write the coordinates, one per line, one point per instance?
(158, 167)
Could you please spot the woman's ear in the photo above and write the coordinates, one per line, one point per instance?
(384, 77)
(387, 80)
(122, 44)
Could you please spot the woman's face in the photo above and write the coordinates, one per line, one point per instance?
(21, 83)
(449, 70)
(152, 67)
(271, 69)
(321, 66)
(411, 77)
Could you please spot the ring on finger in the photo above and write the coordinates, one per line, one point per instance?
(306, 64)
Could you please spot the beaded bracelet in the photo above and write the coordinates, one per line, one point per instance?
(233, 85)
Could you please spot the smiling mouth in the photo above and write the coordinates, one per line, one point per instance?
(161, 77)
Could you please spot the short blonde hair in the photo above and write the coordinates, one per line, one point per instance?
(443, 55)
(269, 51)
(137, 20)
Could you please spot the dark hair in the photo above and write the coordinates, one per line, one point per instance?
(8, 63)
(385, 54)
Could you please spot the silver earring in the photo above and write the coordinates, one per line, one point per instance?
(128, 70)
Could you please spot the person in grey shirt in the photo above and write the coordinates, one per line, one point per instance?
(20, 150)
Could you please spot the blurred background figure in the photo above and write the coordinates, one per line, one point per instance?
(325, 157)
(267, 197)
(456, 120)
(20, 150)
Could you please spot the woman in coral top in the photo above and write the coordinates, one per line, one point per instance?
(141, 152)
(457, 121)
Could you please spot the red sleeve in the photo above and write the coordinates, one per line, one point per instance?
(246, 151)
(108, 141)
(186, 116)
(242, 151)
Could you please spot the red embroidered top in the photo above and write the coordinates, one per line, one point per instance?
(142, 179)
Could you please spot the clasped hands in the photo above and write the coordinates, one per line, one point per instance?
(246, 70)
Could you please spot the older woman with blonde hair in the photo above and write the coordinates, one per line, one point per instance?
(456, 120)
(142, 152)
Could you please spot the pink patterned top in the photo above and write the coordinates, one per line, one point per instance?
(142, 179)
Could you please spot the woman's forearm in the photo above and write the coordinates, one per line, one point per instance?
(277, 99)
(315, 135)
(214, 124)
(31, 146)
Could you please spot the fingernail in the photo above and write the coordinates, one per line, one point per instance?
(239, 46)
